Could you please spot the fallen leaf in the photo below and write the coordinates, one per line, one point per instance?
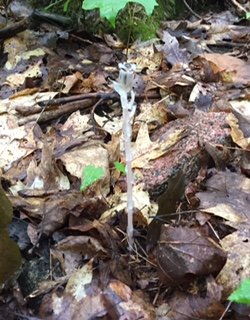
(76, 160)
(78, 280)
(173, 54)
(198, 306)
(236, 133)
(69, 81)
(227, 196)
(237, 267)
(184, 254)
(145, 56)
(145, 150)
(231, 69)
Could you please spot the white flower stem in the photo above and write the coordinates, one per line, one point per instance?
(124, 87)
(129, 174)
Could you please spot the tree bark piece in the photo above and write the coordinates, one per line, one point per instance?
(186, 155)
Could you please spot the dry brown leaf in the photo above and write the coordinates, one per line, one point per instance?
(198, 306)
(72, 249)
(46, 175)
(184, 254)
(231, 69)
(58, 307)
(154, 115)
(144, 207)
(83, 299)
(16, 142)
(236, 134)
(18, 79)
(78, 280)
(76, 124)
(145, 56)
(227, 196)
(69, 81)
(237, 267)
(57, 208)
(176, 56)
(146, 150)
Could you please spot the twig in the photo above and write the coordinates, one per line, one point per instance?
(96, 95)
(239, 6)
(54, 114)
(191, 10)
(226, 310)
(15, 28)
(92, 114)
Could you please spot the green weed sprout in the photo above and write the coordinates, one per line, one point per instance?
(90, 175)
(120, 167)
(242, 294)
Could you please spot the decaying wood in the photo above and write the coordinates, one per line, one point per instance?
(202, 127)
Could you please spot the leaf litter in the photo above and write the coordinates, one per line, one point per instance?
(59, 118)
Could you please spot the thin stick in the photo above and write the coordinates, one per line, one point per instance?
(239, 6)
(191, 10)
(226, 310)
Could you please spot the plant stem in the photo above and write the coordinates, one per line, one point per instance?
(124, 86)
(127, 133)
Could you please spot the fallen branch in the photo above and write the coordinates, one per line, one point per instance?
(49, 115)
(96, 95)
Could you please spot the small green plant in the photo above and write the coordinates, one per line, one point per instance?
(130, 20)
(90, 175)
(133, 23)
(110, 8)
(242, 294)
(120, 167)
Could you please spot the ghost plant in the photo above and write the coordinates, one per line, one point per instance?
(124, 87)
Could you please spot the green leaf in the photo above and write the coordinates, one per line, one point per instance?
(120, 167)
(248, 15)
(66, 5)
(90, 175)
(242, 294)
(110, 8)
